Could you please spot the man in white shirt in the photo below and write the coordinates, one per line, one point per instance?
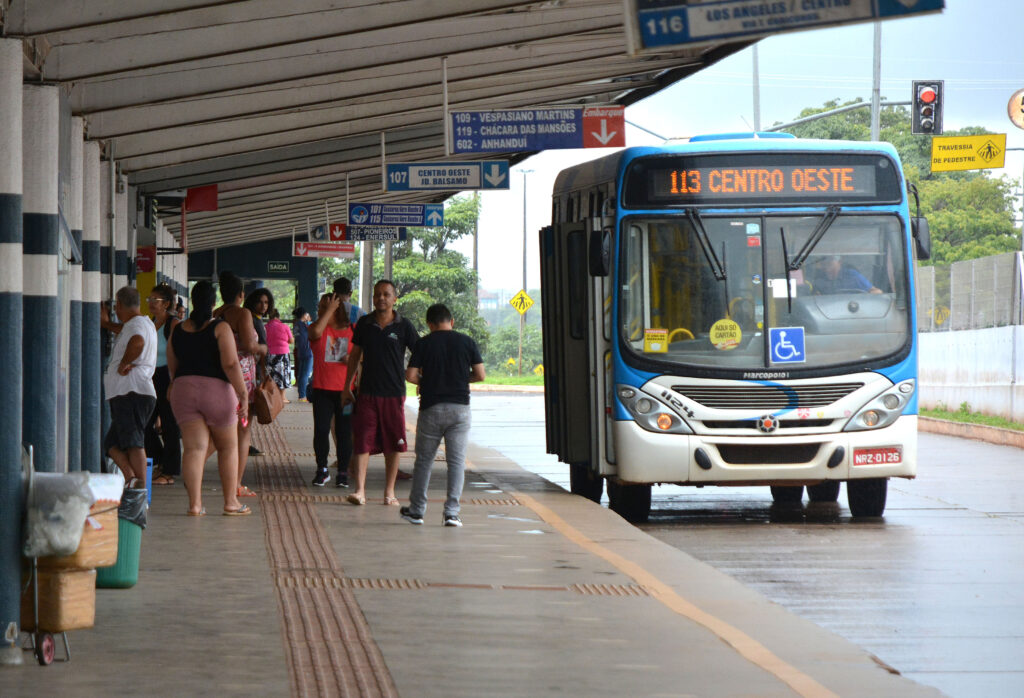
(128, 384)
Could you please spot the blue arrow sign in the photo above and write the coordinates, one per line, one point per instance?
(660, 23)
(447, 176)
(414, 215)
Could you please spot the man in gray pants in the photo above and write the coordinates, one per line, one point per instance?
(443, 364)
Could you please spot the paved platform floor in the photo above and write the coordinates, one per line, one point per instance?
(541, 593)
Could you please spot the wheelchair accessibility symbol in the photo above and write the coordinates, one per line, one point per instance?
(787, 345)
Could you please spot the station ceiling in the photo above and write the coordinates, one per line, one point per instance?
(281, 103)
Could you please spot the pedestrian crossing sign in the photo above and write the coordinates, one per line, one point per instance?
(521, 302)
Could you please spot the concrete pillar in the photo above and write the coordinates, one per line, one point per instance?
(107, 209)
(121, 227)
(92, 294)
(11, 493)
(40, 168)
(74, 219)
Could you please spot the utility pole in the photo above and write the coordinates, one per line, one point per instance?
(876, 85)
(757, 92)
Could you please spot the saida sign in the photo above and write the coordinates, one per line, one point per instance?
(955, 153)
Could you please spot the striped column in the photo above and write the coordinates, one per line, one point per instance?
(40, 168)
(74, 218)
(11, 504)
(92, 294)
(121, 255)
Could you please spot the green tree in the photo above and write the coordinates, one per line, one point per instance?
(505, 346)
(969, 214)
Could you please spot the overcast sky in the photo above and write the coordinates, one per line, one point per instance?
(974, 46)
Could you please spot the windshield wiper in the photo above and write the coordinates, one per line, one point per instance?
(831, 213)
(785, 262)
(705, 244)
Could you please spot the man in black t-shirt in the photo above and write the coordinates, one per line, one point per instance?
(443, 364)
(378, 424)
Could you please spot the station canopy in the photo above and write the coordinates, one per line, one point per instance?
(281, 103)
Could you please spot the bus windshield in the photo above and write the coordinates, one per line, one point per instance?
(770, 291)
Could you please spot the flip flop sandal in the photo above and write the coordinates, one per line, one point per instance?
(163, 480)
(244, 491)
(356, 499)
(201, 512)
(243, 510)
(390, 501)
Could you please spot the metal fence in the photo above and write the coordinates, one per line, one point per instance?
(970, 295)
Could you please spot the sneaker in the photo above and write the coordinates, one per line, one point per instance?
(452, 520)
(412, 518)
(321, 478)
(342, 480)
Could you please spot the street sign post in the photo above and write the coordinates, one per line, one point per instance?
(345, 250)
(414, 215)
(954, 153)
(521, 301)
(446, 176)
(653, 25)
(514, 130)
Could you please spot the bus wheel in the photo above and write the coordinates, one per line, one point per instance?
(867, 497)
(585, 482)
(787, 494)
(631, 502)
(827, 491)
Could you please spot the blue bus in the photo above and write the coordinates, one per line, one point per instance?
(735, 310)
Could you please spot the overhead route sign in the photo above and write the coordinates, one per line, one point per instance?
(324, 249)
(953, 153)
(375, 232)
(513, 130)
(655, 24)
(447, 176)
(335, 232)
(416, 215)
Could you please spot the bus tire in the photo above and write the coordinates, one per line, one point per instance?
(787, 494)
(827, 491)
(631, 502)
(584, 482)
(867, 497)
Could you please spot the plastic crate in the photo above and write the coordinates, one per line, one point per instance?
(125, 572)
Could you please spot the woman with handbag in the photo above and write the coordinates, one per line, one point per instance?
(249, 351)
(329, 339)
(209, 396)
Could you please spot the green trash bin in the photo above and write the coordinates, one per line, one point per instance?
(124, 573)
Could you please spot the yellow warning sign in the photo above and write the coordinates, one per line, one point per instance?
(655, 341)
(521, 302)
(725, 334)
(954, 153)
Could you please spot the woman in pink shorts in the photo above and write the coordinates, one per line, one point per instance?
(208, 396)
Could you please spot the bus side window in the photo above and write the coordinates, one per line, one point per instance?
(576, 253)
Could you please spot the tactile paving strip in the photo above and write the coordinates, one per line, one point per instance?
(329, 648)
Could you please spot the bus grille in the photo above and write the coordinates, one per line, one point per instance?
(735, 454)
(752, 423)
(766, 397)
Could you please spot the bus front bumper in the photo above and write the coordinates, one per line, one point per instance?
(646, 457)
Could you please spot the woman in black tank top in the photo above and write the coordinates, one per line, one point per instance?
(207, 392)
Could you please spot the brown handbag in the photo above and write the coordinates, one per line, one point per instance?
(269, 401)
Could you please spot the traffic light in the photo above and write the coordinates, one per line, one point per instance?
(926, 109)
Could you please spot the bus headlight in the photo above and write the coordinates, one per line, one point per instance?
(651, 413)
(884, 409)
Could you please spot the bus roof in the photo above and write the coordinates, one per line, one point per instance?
(609, 168)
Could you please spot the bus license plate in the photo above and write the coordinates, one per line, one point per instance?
(878, 456)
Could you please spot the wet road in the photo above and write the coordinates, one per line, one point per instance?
(934, 590)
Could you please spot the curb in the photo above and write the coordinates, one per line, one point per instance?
(978, 432)
(493, 388)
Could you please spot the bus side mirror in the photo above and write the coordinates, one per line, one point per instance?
(600, 252)
(922, 238)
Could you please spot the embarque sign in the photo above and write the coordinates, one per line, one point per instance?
(554, 128)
